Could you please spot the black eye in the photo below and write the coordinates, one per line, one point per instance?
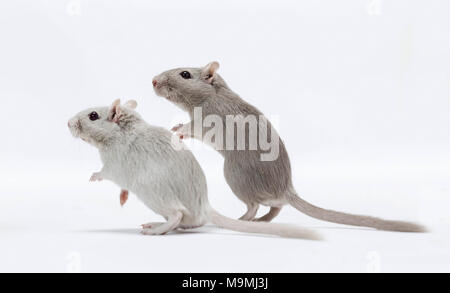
(94, 116)
(185, 75)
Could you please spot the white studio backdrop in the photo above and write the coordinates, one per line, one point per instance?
(360, 90)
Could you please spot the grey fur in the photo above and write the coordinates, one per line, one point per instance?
(255, 182)
(140, 158)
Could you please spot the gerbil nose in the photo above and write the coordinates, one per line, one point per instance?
(154, 82)
(72, 123)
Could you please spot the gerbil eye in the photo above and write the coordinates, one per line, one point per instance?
(185, 75)
(94, 116)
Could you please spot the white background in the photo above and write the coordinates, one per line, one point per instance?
(361, 90)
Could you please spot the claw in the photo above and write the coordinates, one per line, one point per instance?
(96, 177)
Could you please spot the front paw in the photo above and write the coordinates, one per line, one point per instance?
(176, 127)
(96, 177)
(180, 135)
(183, 131)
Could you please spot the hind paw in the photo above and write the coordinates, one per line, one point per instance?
(151, 225)
(123, 197)
(154, 231)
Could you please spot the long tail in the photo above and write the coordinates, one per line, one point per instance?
(262, 228)
(349, 219)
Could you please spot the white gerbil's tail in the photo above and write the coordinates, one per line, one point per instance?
(262, 228)
(349, 219)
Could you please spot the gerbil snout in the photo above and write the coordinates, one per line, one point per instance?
(74, 126)
(160, 81)
(160, 84)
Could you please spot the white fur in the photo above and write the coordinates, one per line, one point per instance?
(139, 158)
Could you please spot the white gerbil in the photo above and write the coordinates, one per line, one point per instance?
(140, 158)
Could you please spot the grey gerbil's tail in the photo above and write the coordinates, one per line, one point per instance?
(349, 219)
(262, 228)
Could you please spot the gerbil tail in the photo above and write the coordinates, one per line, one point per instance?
(262, 228)
(349, 219)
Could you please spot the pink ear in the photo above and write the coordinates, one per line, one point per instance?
(209, 71)
(132, 104)
(113, 110)
(118, 111)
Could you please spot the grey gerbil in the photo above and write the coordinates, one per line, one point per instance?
(254, 181)
(140, 158)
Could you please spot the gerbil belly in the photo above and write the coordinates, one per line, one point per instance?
(165, 201)
(158, 203)
(166, 204)
(273, 202)
(256, 182)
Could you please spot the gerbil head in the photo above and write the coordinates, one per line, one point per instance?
(100, 126)
(189, 87)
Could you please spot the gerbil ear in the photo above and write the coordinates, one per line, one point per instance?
(132, 104)
(209, 71)
(118, 114)
(112, 115)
